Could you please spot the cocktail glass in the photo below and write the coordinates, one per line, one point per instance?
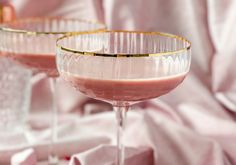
(123, 68)
(31, 43)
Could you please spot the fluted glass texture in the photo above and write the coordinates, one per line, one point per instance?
(124, 58)
(31, 41)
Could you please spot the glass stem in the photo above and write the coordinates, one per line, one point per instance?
(121, 119)
(52, 157)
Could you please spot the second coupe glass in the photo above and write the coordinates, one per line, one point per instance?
(31, 43)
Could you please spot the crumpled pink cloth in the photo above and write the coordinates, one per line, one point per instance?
(106, 154)
(73, 137)
(159, 129)
(195, 124)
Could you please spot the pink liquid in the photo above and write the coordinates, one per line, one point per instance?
(38, 62)
(124, 90)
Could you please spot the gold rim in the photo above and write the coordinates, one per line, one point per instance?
(36, 19)
(187, 48)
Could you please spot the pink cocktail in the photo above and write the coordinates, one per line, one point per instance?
(129, 90)
(38, 63)
(31, 41)
(45, 63)
(123, 67)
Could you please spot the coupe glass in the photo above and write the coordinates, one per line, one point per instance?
(31, 43)
(123, 68)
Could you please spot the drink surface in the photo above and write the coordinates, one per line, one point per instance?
(130, 90)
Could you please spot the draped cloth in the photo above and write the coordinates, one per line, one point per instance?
(192, 125)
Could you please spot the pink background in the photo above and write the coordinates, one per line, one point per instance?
(194, 124)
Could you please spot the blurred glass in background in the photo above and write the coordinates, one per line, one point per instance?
(15, 91)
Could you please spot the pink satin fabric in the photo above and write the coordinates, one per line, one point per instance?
(193, 125)
(133, 156)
